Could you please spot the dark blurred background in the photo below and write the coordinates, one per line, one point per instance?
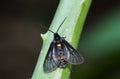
(20, 40)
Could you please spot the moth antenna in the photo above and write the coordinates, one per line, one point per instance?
(47, 29)
(61, 24)
(58, 27)
(51, 31)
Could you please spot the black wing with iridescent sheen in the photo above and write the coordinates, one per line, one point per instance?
(73, 56)
(49, 64)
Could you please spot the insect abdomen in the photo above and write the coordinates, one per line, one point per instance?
(61, 58)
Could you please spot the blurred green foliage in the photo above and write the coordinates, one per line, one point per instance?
(100, 45)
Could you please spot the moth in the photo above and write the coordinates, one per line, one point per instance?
(60, 53)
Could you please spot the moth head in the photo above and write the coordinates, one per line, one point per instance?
(56, 37)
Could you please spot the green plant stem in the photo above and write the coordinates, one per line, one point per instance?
(75, 11)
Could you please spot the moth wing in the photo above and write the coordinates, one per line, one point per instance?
(73, 56)
(49, 63)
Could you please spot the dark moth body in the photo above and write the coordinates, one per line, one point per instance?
(60, 53)
(60, 57)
